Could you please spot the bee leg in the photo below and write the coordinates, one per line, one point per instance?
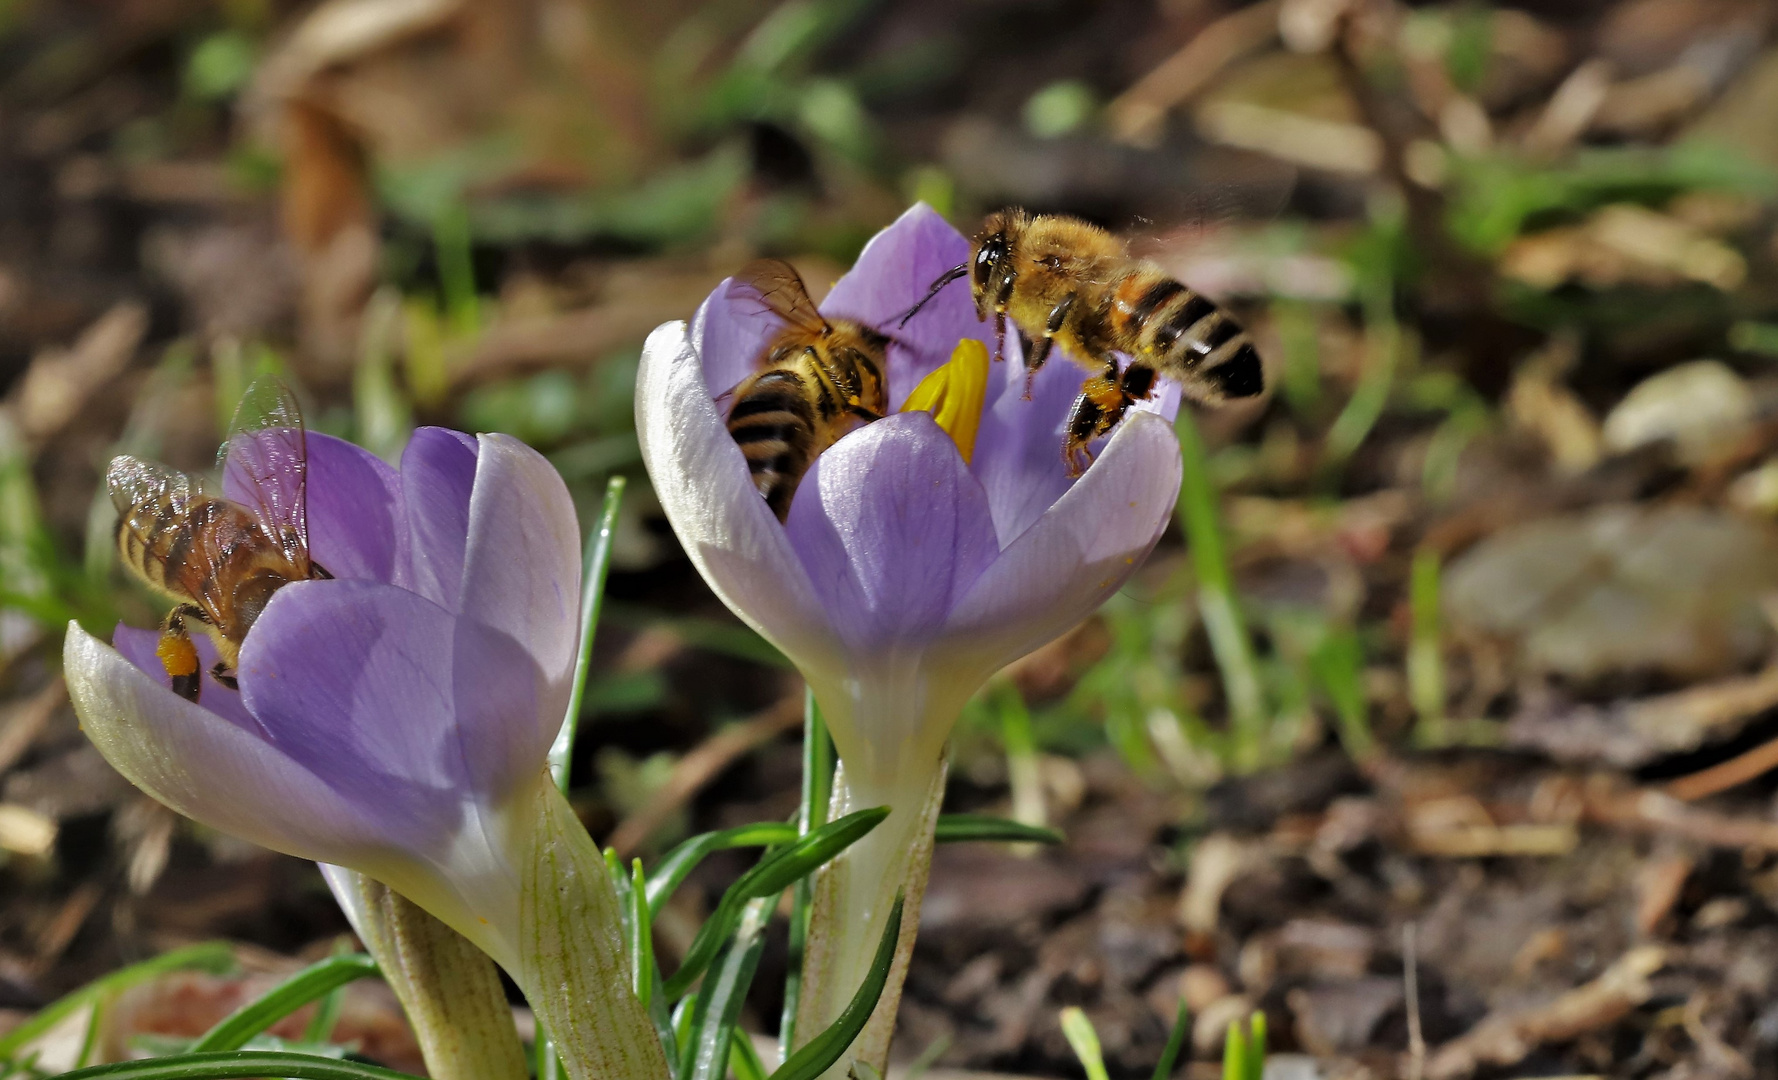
(999, 336)
(176, 652)
(317, 572)
(1099, 407)
(1036, 356)
(867, 415)
(225, 675)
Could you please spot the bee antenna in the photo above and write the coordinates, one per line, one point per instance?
(944, 279)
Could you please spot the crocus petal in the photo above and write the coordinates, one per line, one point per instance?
(393, 701)
(895, 270)
(726, 529)
(437, 475)
(354, 510)
(203, 765)
(729, 332)
(521, 570)
(893, 529)
(1075, 556)
(1018, 452)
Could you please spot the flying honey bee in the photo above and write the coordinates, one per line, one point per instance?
(218, 559)
(814, 381)
(1062, 281)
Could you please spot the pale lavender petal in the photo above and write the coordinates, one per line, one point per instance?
(354, 510)
(893, 272)
(392, 701)
(724, 526)
(354, 681)
(729, 332)
(137, 646)
(437, 475)
(204, 766)
(1018, 452)
(521, 571)
(893, 530)
(1075, 556)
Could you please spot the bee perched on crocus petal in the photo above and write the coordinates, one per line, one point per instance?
(814, 382)
(219, 560)
(1063, 281)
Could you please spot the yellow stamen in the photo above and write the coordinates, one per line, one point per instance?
(954, 394)
(177, 654)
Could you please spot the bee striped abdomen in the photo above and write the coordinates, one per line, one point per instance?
(1184, 336)
(774, 424)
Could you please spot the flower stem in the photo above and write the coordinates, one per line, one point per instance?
(448, 988)
(573, 960)
(854, 895)
(817, 790)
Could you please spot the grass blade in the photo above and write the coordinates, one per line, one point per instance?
(1216, 599)
(718, 1005)
(1175, 1042)
(744, 1060)
(315, 981)
(769, 877)
(826, 1048)
(641, 935)
(1084, 1041)
(817, 790)
(1426, 663)
(964, 828)
(682, 860)
(215, 957)
(238, 1065)
(592, 598)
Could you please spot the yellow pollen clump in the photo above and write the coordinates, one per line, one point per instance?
(954, 394)
(177, 654)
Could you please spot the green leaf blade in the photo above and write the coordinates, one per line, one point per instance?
(313, 982)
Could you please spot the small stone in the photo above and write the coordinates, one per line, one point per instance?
(1703, 407)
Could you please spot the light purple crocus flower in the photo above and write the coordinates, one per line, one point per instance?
(384, 717)
(904, 576)
(396, 720)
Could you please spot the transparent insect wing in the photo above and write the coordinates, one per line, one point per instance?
(265, 465)
(781, 287)
(144, 492)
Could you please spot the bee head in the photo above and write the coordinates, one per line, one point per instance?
(990, 274)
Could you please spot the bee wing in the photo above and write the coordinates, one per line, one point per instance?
(146, 493)
(265, 465)
(781, 287)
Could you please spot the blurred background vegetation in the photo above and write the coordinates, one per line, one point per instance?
(1490, 563)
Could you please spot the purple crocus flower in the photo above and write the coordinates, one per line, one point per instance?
(904, 576)
(396, 720)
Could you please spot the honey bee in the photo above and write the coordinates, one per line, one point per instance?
(814, 381)
(1063, 281)
(219, 560)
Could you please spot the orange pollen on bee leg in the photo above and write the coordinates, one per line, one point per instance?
(177, 654)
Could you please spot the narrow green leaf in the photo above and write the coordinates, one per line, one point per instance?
(682, 860)
(641, 930)
(1084, 1041)
(1256, 1048)
(811, 815)
(1234, 1053)
(327, 1013)
(215, 957)
(962, 828)
(825, 1049)
(744, 1060)
(314, 981)
(705, 1055)
(238, 1065)
(1163, 1069)
(771, 875)
(592, 598)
